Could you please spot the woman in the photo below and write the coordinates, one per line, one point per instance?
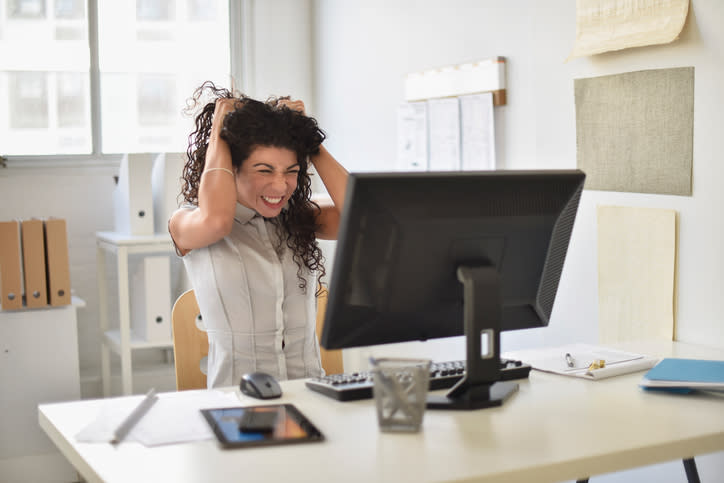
(248, 232)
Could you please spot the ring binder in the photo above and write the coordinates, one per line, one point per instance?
(10, 269)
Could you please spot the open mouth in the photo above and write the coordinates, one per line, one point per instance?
(272, 200)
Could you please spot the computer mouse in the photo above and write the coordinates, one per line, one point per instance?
(260, 385)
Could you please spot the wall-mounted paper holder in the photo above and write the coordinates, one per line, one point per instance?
(456, 80)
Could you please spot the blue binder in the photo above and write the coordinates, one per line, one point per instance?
(685, 375)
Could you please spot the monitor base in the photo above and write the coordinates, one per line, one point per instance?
(497, 394)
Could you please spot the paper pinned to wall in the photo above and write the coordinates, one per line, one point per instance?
(478, 132)
(635, 131)
(444, 126)
(412, 136)
(607, 25)
(636, 273)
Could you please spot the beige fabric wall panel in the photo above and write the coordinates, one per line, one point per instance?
(634, 131)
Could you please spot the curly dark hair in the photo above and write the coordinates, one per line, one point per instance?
(254, 123)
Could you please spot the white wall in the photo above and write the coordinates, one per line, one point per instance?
(280, 49)
(364, 49)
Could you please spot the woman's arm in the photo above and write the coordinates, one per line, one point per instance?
(214, 217)
(334, 177)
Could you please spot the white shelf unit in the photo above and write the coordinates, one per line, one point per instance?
(122, 340)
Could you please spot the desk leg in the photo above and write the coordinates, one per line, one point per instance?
(101, 274)
(692, 475)
(124, 320)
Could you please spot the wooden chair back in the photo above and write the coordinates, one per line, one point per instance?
(331, 360)
(190, 343)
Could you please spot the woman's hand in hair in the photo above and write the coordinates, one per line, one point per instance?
(218, 154)
(295, 105)
(223, 106)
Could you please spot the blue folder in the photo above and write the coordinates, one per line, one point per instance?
(686, 374)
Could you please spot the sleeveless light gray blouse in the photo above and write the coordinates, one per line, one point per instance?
(257, 317)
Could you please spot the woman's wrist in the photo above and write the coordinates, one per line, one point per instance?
(316, 157)
(218, 154)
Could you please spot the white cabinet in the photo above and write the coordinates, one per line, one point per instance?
(123, 340)
(38, 364)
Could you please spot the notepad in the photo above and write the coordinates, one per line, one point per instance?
(685, 374)
(175, 418)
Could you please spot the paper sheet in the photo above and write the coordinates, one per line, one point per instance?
(478, 132)
(412, 136)
(444, 125)
(175, 418)
(606, 25)
(636, 256)
(553, 359)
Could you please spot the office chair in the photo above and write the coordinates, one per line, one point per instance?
(191, 345)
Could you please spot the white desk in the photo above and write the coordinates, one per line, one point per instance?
(122, 340)
(554, 428)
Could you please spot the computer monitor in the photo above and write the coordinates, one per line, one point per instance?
(439, 254)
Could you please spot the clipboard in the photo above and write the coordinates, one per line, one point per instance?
(238, 427)
(575, 360)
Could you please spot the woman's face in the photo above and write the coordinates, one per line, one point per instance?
(267, 179)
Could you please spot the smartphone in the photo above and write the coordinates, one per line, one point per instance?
(258, 421)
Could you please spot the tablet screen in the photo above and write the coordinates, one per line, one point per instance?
(261, 425)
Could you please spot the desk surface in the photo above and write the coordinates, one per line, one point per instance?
(554, 428)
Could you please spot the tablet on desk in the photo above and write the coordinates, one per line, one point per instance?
(239, 427)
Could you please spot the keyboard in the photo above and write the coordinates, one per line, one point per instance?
(443, 375)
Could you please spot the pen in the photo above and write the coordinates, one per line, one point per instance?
(569, 360)
(125, 427)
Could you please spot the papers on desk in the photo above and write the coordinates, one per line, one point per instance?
(685, 375)
(580, 357)
(175, 418)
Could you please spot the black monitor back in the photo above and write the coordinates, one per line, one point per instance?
(403, 236)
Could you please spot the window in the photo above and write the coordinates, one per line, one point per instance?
(145, 57)
(44, 77)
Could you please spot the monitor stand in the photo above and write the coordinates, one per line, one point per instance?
(480, 387)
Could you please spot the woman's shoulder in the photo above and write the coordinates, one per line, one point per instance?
(185, 207)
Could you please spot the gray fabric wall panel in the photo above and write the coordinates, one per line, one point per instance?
(634, 131)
